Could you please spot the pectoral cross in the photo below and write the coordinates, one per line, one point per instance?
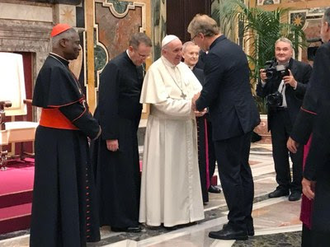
(183, 96)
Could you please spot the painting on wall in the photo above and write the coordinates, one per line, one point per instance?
(268, 2)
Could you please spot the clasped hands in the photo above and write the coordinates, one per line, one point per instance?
(193, 101)
(193, 106)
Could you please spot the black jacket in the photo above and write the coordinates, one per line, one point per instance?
(227, 91)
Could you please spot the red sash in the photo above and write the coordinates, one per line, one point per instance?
(53, 118)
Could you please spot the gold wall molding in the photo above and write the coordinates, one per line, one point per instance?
(92, 39)
(130, 6)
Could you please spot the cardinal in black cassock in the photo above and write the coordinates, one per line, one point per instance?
(63, 209)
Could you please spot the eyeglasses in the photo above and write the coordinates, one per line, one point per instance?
(192, 39)
(143, 56)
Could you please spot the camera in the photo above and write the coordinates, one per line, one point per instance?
(274, 99)
(274, 71)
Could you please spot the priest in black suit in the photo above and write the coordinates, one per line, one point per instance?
(290, 84)
(234, 115)
(115, 153)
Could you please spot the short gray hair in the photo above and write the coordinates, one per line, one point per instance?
(286, 40)
(327, 16)
(203, 24)
(186, 44)
(65, 35)
(138, 38)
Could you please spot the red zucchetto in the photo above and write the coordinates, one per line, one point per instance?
(59, 28)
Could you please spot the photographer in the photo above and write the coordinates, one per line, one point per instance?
(283, 83)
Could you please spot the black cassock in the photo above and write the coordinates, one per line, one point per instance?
(314, 118)
(64, 209)
(118, 173)
(206, 155)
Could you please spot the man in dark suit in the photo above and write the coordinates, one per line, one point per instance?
(314, 117)
(290, 84)
(234, 115)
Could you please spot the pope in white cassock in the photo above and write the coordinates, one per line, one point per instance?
(170, 189)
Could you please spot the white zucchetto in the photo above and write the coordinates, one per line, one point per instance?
(168, 38)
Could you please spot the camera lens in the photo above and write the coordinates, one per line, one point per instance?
(269, 74)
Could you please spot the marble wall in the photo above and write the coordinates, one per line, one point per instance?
(26, 26)
(113, 32)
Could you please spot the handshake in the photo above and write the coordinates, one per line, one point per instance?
(193, 106)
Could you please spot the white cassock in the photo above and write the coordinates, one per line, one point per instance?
(170, 188)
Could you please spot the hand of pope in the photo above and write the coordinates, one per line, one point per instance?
(193, 101)
(112, 145)
(200, 113)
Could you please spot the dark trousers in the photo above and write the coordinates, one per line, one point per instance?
(281, 128)
(312, 238)
(212, 157)
(321, 208)
(306, 237)
(236, 179)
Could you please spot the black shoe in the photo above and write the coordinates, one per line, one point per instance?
(214, 189)
(249, 229)
(295, 196)
(278, 193)
(135, 229)
(228, 233)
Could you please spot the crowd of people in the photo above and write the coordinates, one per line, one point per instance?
(87, 168)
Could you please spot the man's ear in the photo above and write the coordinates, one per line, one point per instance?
(130, 48)
(62, 42)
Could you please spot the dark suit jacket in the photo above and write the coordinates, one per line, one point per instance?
(294, 98)
(227, 91)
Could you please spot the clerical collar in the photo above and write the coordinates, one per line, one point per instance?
(286, 64)
(62, 59)
(131, 58)
(168, 63)
(128, 54)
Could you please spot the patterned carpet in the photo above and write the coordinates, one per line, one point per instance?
(281, 239)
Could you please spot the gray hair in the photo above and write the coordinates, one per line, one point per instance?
(327, 16)
(65, 35)
(286, 40)
(203, 24)
(186, 44)
(138, 38)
